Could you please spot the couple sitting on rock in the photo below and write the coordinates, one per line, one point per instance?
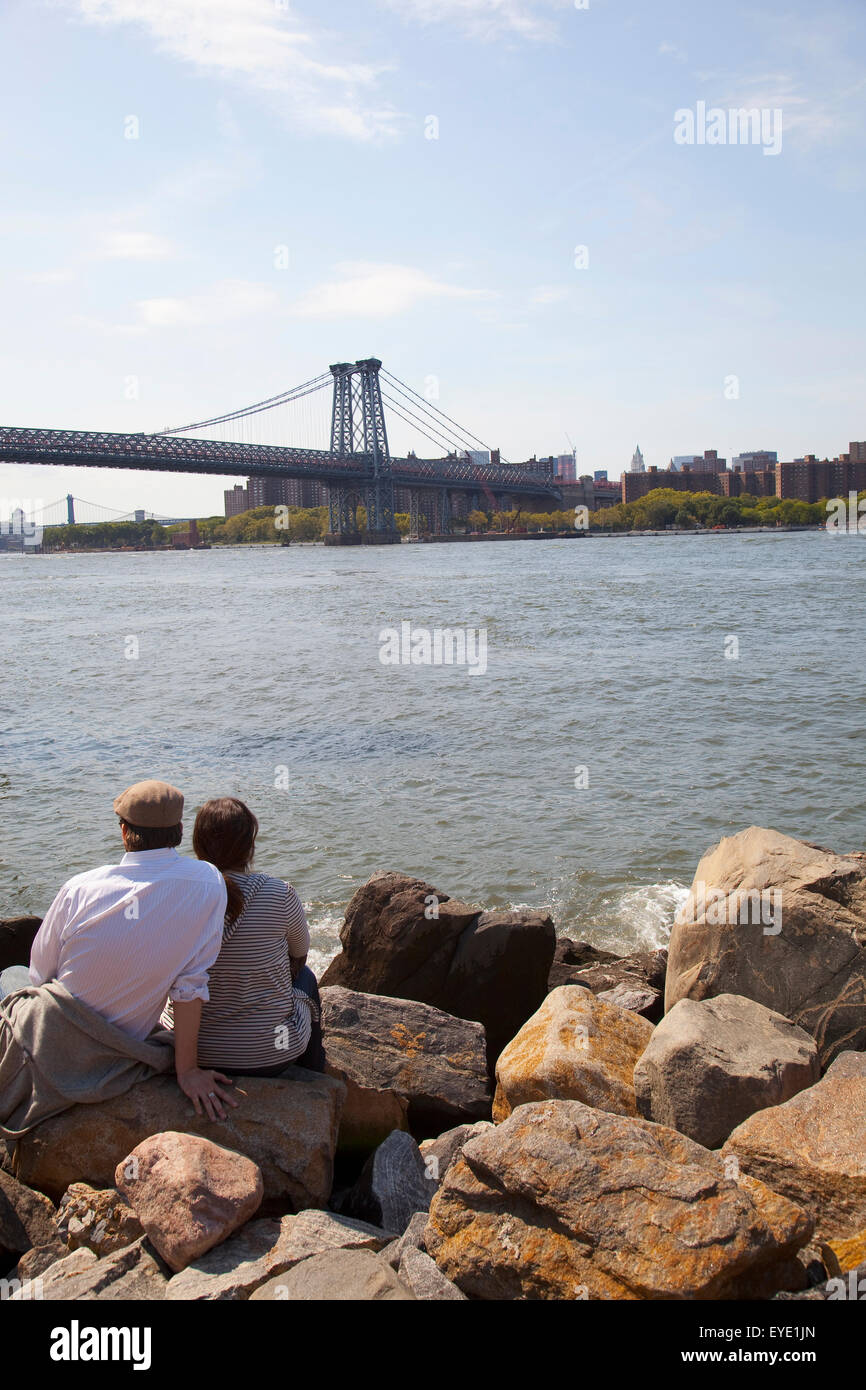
(203, 947)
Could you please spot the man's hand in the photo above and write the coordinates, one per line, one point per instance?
(203, 1090)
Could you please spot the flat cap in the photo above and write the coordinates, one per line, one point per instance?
(151, 805)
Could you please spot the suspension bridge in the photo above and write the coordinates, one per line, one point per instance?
(341, 418)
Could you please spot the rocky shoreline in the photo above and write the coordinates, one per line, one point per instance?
(505, 1115)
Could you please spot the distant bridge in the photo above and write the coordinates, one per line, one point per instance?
(357, 468)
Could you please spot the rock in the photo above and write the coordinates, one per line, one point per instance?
(573, 1048)
(571, 956)
(35, 1262)
(131, 1273)
(393, 1185)
(439, 1153)
(423, 1277)
(26, 1218)
(562, 1201)
(709, 1065)
(393, 944)
(636, 998)
(499, 973)
(850, 1287)
(17, 935)
(840, 1256)
(802, 953)
(264, 1249)
(368, 1116)
(812, 1149)
(641, 976)
(411, 1239)
(100, 1221)
(438, 1063)
(404, 938)
(334, 1277)
(188, 1193)
(287, 1125)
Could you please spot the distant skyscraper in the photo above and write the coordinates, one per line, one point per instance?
(600, 475)
(566, 468)
(637, 463)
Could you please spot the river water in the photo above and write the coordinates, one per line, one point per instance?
(256, 672)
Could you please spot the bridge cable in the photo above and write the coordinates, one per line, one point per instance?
(418, 425)
(460, 428)
(305, 389)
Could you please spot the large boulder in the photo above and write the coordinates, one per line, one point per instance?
(813, 1148)
(134, 1273)
(188, 1193)
(712, 1063)
(781, 922)
(437, 1062)
(337, 1276)
(26, 1219)
(17, 935)
(575, 1047)
(566, 1202)
(100, 1221)
(403, 937)
(261, 1250)
(392, 1187)
(287, 1125)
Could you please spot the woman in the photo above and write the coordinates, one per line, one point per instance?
(263, 1012)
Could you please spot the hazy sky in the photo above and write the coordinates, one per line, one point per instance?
(142, 283)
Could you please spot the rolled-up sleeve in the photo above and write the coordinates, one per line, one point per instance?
(192, 982)
(297, 930)
(45, 951)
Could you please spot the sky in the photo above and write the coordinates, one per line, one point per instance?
(207, 203)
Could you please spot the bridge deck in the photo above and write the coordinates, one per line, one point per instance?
(171, 454)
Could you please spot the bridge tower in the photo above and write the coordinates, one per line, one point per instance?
(358, 427)
(70, 509)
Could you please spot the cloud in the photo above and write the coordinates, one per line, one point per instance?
(666, 49)
(367, 290)
(528, 19)
(223, 303)
(259, 43)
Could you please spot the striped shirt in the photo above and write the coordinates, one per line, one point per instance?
(254, 1018)
(122, 937)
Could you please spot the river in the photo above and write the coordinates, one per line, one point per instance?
(642, 697)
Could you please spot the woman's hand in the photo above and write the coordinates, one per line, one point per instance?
(203, 1090)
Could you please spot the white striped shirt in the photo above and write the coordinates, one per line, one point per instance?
(254, 1018)
(122, 937)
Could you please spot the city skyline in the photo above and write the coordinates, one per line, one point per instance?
(241, 195)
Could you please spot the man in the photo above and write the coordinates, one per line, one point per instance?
(123, 938)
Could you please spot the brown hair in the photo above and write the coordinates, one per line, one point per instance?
(225, 835)
(145, 837)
